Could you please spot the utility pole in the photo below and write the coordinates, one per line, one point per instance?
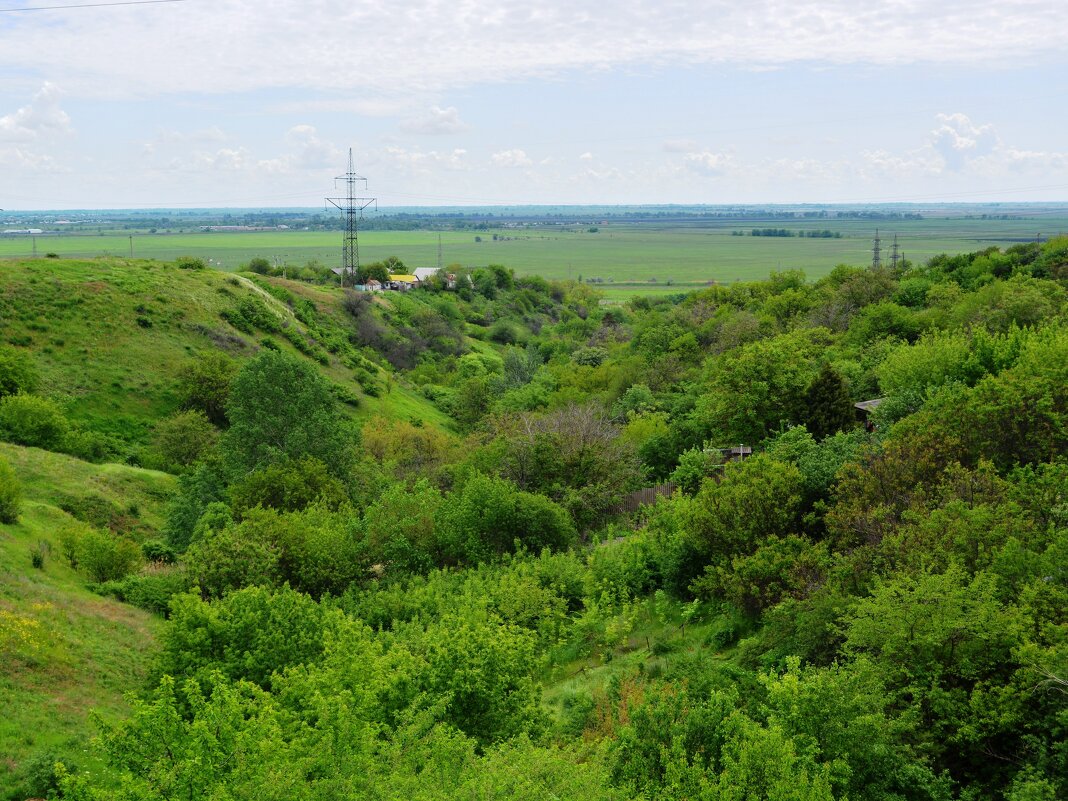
(893, 253)
(352, 207)
(876, 260)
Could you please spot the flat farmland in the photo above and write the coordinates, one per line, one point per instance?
(637, 254)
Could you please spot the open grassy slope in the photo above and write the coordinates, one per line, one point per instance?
(110, 335)
(65, 651)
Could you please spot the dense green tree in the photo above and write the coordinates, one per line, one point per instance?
(184, 438)
(288, 486)
(204, 384)
(490, 516)
(235, 556)
(756, 499)
(828, 407)
(400, 527)
(282, 408)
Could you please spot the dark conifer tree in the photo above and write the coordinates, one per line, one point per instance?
(828, 408)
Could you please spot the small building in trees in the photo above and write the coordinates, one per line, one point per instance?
(403, 282)
(864, 410)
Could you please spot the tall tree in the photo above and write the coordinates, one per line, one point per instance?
(828, 408)
(280, 409)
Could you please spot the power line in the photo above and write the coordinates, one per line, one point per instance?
(352, 207)
(88, 5)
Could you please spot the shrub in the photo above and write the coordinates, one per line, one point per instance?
(190, 263)
(184, 438)
(235, 557)
(95, 510)
(10, 494)
(32, 420)
(37, 554)
(204, 384)
(590, 357)
(288, 486)
(158, 550)
(105, 556)
(17, 373)
(92, 446)
(504, 333)
(151, 591)
(41, 779)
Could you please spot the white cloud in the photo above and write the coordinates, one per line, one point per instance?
(958, 140)
(436, 121)
(511, 158)
(226, 159)
(424, 162)
(708, 163)
(40, 119)
(424, 46)
(587, 156)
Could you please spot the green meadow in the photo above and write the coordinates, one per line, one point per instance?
(617, 252)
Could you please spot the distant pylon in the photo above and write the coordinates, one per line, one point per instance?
(893, 253)
(876, 260)
(352, 207)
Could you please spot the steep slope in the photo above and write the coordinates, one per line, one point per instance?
(65, 651)
(111, 334)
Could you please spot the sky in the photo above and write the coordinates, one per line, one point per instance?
(214, 103)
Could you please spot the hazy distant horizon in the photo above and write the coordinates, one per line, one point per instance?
(578, 208)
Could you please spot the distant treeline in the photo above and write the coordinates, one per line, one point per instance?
(824, 234)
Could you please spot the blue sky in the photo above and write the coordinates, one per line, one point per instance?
(225, 102)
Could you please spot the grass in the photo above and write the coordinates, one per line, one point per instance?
(655, 645)
(623, 252)
(66, 651)
(109, 336)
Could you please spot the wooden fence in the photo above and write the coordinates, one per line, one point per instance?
(643, 497)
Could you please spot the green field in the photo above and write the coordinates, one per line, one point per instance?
(619, 252)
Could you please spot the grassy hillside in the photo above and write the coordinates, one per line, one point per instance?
(65, 651)
(110, 335)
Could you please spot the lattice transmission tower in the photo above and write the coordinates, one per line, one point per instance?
(352, 207)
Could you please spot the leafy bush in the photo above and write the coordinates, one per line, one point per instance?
(10, 494)
(92, 446)
(17, 372)
(589, 357)
(204, 384)
(104, 556)
(185, 437)
(237, 556)
(151, 591)
(250, 634)
(490, 516)
(34, 421)
(190, 263)
(288, 486)
(158, 550)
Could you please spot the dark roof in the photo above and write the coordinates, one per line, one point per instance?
(868, 405)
